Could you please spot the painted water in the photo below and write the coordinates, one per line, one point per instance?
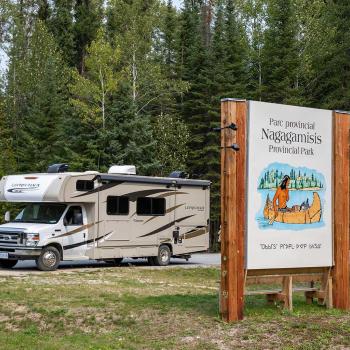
(295, 198)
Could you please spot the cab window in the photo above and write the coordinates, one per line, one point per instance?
(74, 216)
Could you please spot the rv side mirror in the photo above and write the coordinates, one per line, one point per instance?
(7, 217)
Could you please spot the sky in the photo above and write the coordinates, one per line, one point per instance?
(177, 3)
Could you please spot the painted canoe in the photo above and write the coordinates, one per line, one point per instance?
(306, 216)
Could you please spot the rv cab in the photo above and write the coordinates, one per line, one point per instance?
(43, 224)
(82, 216)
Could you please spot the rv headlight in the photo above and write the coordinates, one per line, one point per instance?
(32, 239)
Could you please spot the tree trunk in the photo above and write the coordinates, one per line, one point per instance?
(134, 77)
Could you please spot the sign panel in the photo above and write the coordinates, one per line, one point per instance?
(289, 187)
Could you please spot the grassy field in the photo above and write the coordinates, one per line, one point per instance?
(143, 308)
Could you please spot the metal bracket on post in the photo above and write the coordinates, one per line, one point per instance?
(232, 126)
(234, 146)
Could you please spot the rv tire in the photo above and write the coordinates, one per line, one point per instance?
(163, 257)
(8, 264)
(49, 259)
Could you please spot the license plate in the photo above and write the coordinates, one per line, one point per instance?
(4, 255)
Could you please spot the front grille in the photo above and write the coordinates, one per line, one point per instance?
(11, 238)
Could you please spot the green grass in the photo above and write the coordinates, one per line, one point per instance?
(140, 308)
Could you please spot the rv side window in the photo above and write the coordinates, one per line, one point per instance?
(117, 205)
(150, 206)
(84, 185)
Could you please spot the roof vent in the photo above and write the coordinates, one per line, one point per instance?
(178, 174)
(122, 169)
(57, 168)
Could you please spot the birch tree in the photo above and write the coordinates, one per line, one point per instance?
(91, 91)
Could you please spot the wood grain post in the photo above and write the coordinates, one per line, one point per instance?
(341, 142)
(233, 211)
(287, 291)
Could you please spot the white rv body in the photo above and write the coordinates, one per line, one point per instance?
(104, 216)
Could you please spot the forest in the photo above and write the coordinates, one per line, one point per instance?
(93, 83)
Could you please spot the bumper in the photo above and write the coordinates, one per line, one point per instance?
(21, 253)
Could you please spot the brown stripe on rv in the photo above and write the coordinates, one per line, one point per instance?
(75, 245)
(194, 234)
(167, 212)
(134, 195)
(100, 189)
(162, 228)
(76, 230)
(170, 194)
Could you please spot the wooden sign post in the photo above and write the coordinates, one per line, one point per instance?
(335, 287)
(341, 219)
(233, 190)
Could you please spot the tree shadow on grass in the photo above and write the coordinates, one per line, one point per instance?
(201, 304)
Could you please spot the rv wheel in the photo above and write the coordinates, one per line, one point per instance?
(163, 257)
(8, 264)
(49, 259)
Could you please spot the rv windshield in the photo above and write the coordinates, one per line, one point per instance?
(43, 213)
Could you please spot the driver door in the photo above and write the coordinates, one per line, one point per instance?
(76, 232)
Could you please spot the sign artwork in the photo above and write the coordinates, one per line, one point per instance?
(289, 187)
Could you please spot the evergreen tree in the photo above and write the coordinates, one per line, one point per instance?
(35, 96)
(61, 25)
(44, 10)
(236, 58)
(169, 36)
(215, 73)
(171, 136)
(254, 16)
(280, 53)
(87, 21)
(192, 68)
(330, 86)
(166, 45)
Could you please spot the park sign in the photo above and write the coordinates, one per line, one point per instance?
(282, 168)
(289, 182)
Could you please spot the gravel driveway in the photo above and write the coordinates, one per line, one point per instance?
(197, 260)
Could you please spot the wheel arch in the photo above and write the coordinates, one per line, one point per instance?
(58, 246)
(170, 246)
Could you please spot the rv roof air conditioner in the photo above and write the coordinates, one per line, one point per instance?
(122, 169)
(178, 174)
(57, 168)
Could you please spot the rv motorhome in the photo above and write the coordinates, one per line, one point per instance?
(90, 215)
